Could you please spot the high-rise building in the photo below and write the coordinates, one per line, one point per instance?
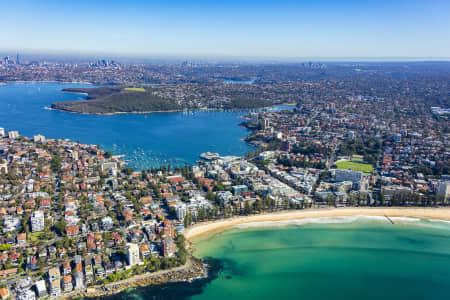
(3, 166)
(443, 190)
(41, 289)
(13, 134)
(168, 246)
(39, 138)
(133, 254)
(181, 211)
(2, 131)
(37, 221)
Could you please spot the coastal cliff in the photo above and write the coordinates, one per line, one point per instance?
(192, 270)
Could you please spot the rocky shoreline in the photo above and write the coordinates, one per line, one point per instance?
(192, 270)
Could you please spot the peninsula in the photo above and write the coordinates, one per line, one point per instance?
(120, 99)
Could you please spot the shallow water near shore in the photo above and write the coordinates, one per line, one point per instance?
(359, 258)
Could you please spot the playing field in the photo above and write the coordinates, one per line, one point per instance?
(135, 89)
(354, 166)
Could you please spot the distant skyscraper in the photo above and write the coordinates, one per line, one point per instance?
(17, 59)
(13, 134)
(39, 138)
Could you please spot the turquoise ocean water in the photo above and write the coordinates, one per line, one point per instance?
(361, 259)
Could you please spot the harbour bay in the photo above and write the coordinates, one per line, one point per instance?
(146, 140)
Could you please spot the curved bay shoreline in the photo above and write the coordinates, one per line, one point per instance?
(201, 229)
(195, 269)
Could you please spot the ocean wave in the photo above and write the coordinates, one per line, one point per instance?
(321, 220)
(347, 220)
(406, 219)
(439, 221)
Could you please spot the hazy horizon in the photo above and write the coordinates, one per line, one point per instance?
(240, 29)
(30, 55)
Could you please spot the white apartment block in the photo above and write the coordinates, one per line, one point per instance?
(37, 221)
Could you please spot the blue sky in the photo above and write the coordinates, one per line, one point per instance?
(321, 28)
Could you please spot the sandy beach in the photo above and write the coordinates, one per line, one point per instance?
(424, 213)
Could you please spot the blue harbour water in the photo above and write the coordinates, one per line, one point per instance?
(146, 139)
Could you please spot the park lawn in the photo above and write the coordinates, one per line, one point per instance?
(35, 236)
(354, 166)
(134, 89)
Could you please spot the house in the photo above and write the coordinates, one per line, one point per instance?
(81, 246)
(62, 252)
(32, 263)
(145, 251)
(23, 284)
(4, 293)
(3, 257)
(99, 273)
(21, 239)
(14, 257)
(66, 268)
(175, 178)
(11, 223)
(43, 253)
(118, 265)
(107, 223)
(26, 295)
(109, 268)
(8, 272)
(52, 250)
(44, 203)
(146, 200)
(72, 231)
(98, 260)
(88, 271)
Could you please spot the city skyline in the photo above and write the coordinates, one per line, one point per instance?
(292, 29)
